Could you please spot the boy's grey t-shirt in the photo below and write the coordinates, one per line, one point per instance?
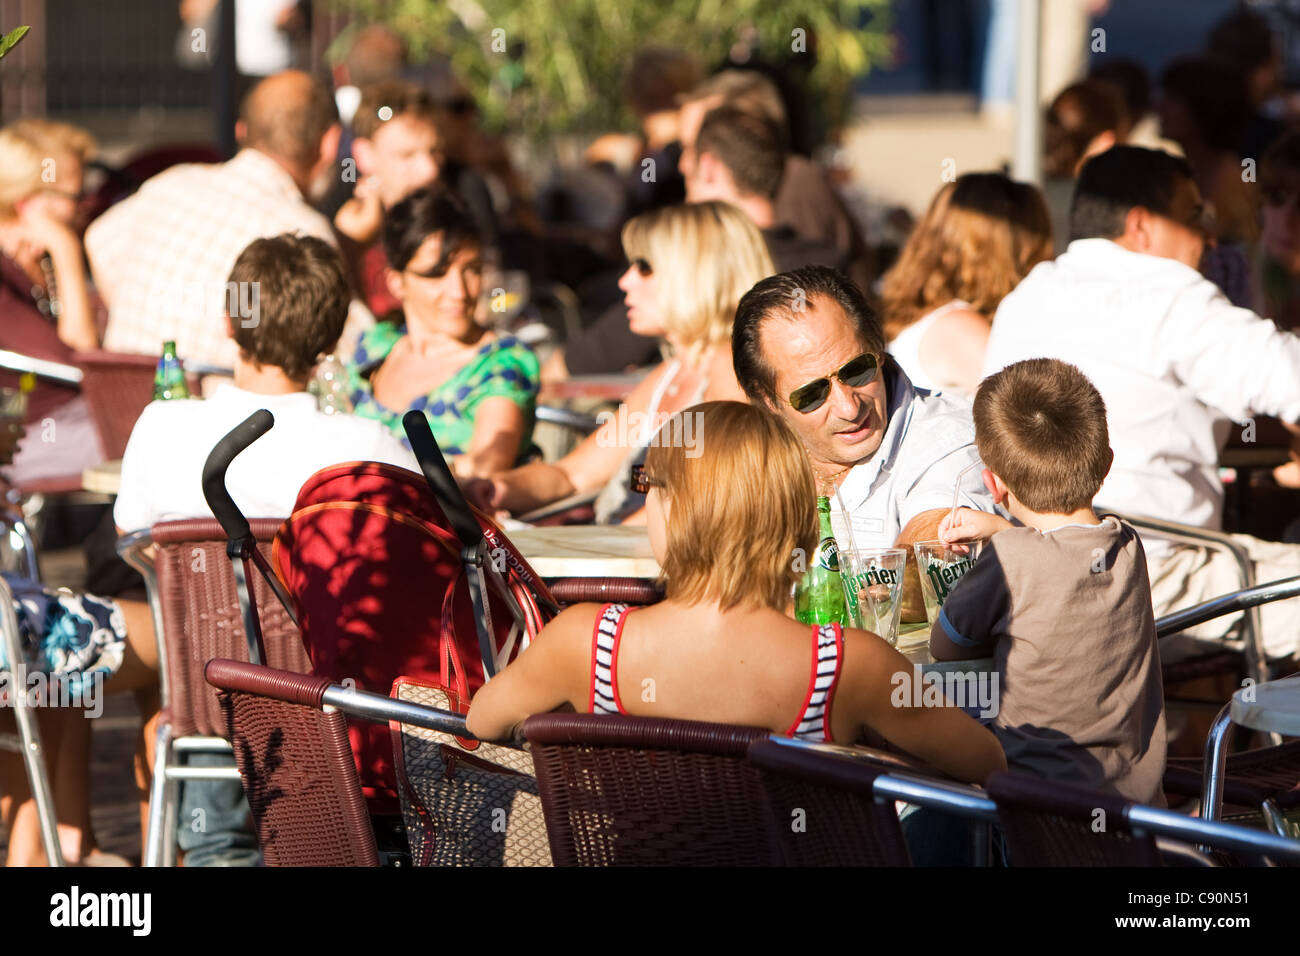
(1070, 614)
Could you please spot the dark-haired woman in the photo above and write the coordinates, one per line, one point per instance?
(477, 389)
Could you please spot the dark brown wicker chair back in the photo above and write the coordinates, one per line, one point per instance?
(117, 387)
(641, 791)
(297, 767)
(201, 617)
(607, 591)
(823, 808)
(1047, 823)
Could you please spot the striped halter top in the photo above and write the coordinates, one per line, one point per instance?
(813, 722)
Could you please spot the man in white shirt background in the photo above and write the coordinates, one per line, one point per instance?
(893, 451)
(303, 301)
(161, 258)
(1176, 363)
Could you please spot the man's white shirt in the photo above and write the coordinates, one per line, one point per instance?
(163, 463)
(1176, 363)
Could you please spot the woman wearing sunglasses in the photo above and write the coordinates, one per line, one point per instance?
(720, 647)
(689, 267)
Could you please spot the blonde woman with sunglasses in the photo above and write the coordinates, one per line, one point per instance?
(689, 267)
(720, 647)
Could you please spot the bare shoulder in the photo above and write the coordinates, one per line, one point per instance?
(573, 623)
(964, 324)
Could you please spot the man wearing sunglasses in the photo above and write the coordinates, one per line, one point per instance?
(806, 345)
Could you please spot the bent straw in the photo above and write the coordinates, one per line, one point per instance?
(956, 492)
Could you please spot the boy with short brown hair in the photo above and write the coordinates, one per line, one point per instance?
(1063, 602)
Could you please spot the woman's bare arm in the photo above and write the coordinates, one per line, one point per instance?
(587, 468)
(498, 431)
(877, 684)
(551, 672)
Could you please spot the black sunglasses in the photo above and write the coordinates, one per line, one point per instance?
(854, 373)
(642, 483)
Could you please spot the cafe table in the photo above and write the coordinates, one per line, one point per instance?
(587, 551)
(105, 478)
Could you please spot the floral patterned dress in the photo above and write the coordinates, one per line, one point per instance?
(504, 367)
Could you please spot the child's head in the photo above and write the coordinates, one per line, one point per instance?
(1041, 428)
(287, 299)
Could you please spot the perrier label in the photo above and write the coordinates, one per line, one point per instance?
(819, 597)
(944, 576)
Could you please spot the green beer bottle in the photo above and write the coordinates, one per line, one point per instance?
(169, 380)
(819, 597)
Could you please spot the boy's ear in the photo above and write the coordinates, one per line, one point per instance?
(1110, 462)
(997, 488)
(230, 326)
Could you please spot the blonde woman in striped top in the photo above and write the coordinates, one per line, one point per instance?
(727, 512)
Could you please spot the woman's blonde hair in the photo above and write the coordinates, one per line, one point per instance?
(27, 148)
(742, 505)
(706, 255)
(981, 236)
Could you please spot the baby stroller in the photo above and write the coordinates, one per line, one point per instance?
(393, 579)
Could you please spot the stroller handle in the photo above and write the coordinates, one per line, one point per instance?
(441, 480)
(223, 506)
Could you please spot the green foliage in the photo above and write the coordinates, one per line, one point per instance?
(544, 66)
(10, 39)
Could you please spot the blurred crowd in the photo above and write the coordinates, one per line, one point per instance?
(375, 230)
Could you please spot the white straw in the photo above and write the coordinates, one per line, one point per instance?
(848, 519)
(956, 492)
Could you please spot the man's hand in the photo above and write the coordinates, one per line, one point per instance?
(969, 525)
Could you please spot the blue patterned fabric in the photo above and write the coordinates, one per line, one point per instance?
(72, 635)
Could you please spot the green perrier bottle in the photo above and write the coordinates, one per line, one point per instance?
(169, 380)
(819, 597)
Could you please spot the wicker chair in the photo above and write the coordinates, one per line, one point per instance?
(822, 803)
(641, 791)
(606, 591)
(1047, 823)
(296, 763)
(1264, 781)
(199, 612)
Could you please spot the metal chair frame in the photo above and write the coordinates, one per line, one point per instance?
(1251, 636)
(164, 795)
(27, 741)
(972, 802)
(1216, 744)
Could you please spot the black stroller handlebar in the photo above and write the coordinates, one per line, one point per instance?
(223, 506)
(441, 479)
